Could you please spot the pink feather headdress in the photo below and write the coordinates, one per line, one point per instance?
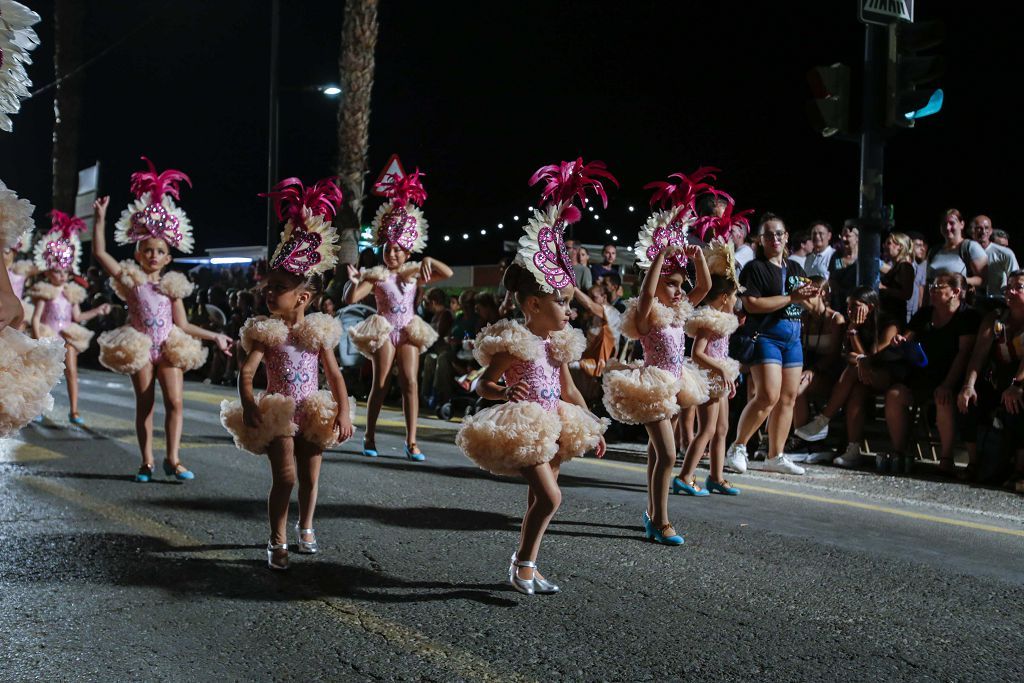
(720, 226)
(542, 249)
(669, 225)
(400, 221)
(309, 243)
(154, 214)
(60, 248)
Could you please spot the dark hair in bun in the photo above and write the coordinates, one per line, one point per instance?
(521, 282)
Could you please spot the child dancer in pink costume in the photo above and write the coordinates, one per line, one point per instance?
(19, 270)
(28, 368)
(294, 421)
(57, 313)
(711, 326)
(395, 332)
(545, 421)
(651, 392)
(158, 344)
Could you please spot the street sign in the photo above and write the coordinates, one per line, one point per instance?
(392, 171)
(88, 182)
(885, 12)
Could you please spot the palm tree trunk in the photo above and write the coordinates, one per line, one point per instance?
(356, 64)
(67, 102)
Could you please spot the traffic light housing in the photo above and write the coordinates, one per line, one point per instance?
(910, 90)
(829, 111)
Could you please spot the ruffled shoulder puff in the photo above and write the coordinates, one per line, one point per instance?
(44, 291)
(24, 267)
(375, 274)
(566, 346)
(410, 270)
(660, 316)
(506, 336)
(176, 285)
(74, 293)
(718, 323)
(317, 331)
(129, 276)
(681, 310)
(267, 331)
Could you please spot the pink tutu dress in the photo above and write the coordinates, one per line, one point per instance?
(506, 438)
(396, 320)
(150, 335)
(293, 403)
(58, 304)
(719, 326)
(666, 380)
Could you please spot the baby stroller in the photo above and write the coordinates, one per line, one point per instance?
(465, 400)
(353, 365)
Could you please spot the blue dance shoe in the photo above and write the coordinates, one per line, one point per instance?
(415, 457)
(144, 474)
(178, 471)
(725, 488)
(691, 489)
(75, 419)
(369, 452)
(658, 535)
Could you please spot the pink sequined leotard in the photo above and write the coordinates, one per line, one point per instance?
(57, 313)
(396, 301)
(664, 348)
(292, 371)
(543, 375)
(17, 283)
(150, 313)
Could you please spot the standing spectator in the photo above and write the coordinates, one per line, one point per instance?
(580, 265)
(486, 307)
(957, 254)
(436, 376)
(1001, 260)
(843, 272)
(607, 266)
(802, 246)
(920, 262)
(744, 253)
(775, 290)
(1001, 238)
(818, 260)
(897, 286)
(946, 330)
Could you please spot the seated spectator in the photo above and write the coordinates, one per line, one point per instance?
(822, 330)
(486, 308)
(957, 254)
(743, 251)
(896, 286)
(1001, 238)
(466, 323)
(946, 330)
(436, 375)
(869, 333)
(994, 381)
(920, 263)
(820, 257)
(581, 268)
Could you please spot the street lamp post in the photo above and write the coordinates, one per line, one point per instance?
(275, 37)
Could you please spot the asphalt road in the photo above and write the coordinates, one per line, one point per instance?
(794, 580)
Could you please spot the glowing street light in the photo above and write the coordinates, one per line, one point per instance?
(515, 218)
(465, 235)
(607, 231)
(483, 232)
(631, 209)
(500, 226)
(331, 90)
(615, 238)
(447, 238)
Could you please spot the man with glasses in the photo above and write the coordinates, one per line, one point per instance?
(817, 262)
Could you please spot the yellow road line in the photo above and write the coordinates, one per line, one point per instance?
(462, 663)
(19, 451)
(836, 501)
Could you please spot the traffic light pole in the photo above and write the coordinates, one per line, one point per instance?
(872, 152)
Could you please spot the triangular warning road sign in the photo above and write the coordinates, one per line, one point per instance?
(392, 171)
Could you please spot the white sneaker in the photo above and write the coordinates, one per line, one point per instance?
(815, 430)
(820, 457)
(851, 457)
(783, 465)
(736, 458)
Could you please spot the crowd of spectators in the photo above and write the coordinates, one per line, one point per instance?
(957, 305)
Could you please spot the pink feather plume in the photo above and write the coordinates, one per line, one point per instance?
(571, 180)
(684, 191)
(405, 190)
(66, 225)
(158, 184)
(290, 197)
(719, 226)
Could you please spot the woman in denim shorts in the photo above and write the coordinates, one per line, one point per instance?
(772, 290)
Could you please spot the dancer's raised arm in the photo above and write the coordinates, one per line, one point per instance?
(99, 238)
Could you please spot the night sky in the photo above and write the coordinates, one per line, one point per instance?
(479, 94)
